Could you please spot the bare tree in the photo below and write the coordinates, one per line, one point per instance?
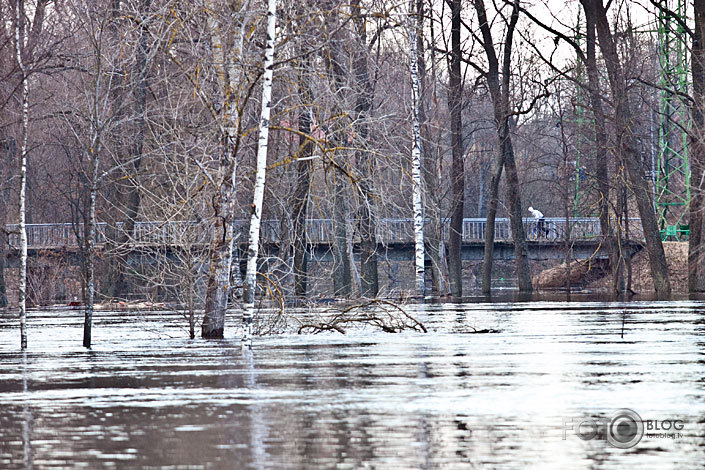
(303, 179)
(89, 123)
(417, 152)
(228, 57)
(117, 285)
(435, 247)
(258, 196)
(455, 104)
(500, 94)
(19, 46)
(341, 249)
(628, 146)
(601, 154)
(696, 254)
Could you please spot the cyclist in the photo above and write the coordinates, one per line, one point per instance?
(540, 222)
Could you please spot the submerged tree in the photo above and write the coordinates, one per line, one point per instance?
(628, 147)
(19, 46)
(228, 50)
(369, 279)
(455, 104)
(417, 154)
(258, 196)
(498, 82)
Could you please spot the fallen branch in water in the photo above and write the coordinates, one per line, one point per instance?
(382, 314)
(484, 330)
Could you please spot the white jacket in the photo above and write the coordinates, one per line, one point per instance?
(536, 213)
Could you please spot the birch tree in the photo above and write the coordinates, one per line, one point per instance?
(433, 238)
(19, 45)
(601, 157)
(258, 197)
(417, 155)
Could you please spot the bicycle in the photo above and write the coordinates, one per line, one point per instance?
(549, 231)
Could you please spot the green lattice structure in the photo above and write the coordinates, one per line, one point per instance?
(580, 121)
(672, 179)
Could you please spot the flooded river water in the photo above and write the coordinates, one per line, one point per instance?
(147, 396)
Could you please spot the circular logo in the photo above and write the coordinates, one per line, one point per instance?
(625, 429)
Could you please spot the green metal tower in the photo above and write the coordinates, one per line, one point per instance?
(579, 194)
(580, 120)
(672, 179)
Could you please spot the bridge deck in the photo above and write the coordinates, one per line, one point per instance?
(319, 231)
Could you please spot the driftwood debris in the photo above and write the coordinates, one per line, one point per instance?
(382, 314)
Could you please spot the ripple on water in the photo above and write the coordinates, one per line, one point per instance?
(145, 395)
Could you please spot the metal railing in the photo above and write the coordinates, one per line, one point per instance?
(388, 230)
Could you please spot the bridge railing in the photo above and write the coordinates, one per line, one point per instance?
(581, 228)
(388, 230)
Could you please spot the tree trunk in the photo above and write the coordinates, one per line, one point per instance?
(19, 41)
(8, 154)
(567, 239)
(488, 255)
(628, 259)
(620, 203)
(3, 255)
(628, 148)
(433, 233)
(258, 197)
(221, 248)
(369, 277)
(91, 235)
(417, 158)
(500, 101)
(9, 149)
(601, 154)
(342, 275)
(455, 103)
(696, 254)
(521, 252)
(223, 203)
(303, 184)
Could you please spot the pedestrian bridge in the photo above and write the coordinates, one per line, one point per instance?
(318, 231)
(395, 236)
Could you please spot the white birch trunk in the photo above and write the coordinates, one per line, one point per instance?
(23, 177)
(258, 197)
(416, 161)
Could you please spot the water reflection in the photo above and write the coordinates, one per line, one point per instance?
(147, 396)
(26, 419)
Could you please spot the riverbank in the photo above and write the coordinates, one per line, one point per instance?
(593, 274)
(677, 259)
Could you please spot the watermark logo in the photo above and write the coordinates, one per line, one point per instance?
(622, 429)
(625, 429)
